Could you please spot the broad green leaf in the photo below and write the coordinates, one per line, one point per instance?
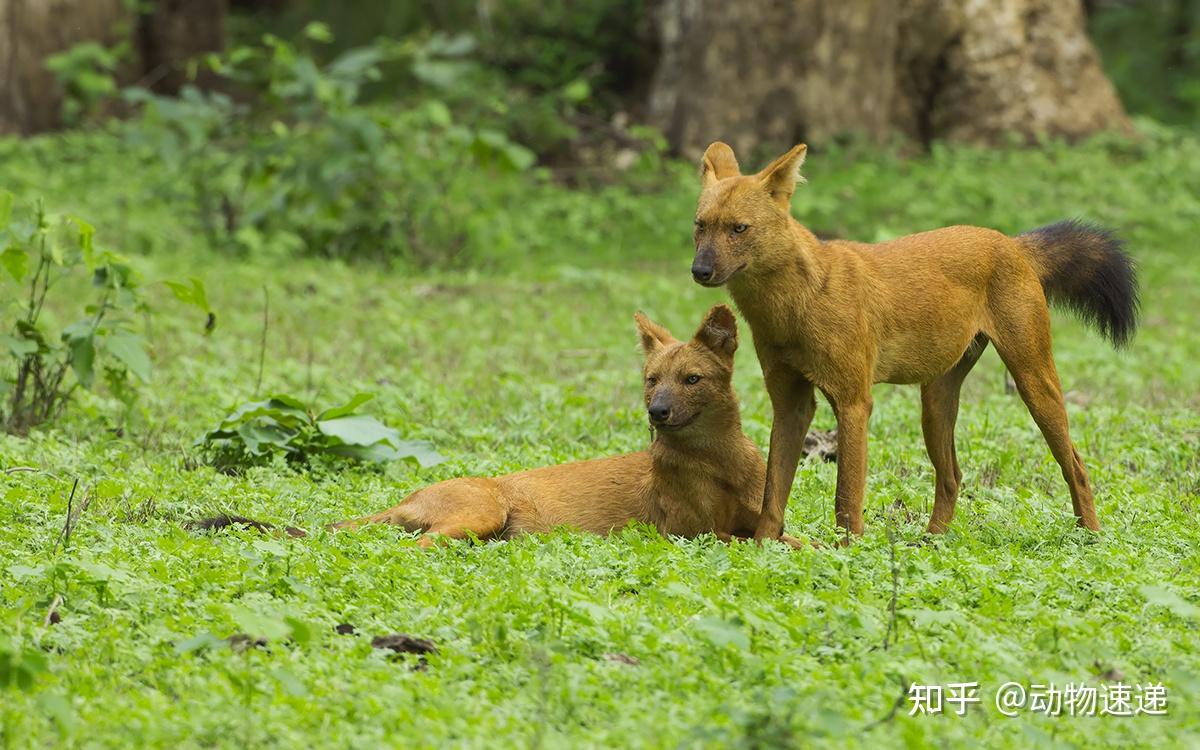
(121, 273)
(722, 633)
(80, 338)
(456, 45)
(87, 233)
(199, 642)
(193, 293)
(282, 408)
(291, 402)
(355, 63)
(130, 350)
(925, 617)
(98, 571)
(577, 91)
(347, 408)
(80, 329)
(289, 682)
(318, 31)
(83, 359)
(16, 262)
(270, 546)
(1165, 597)
(418, 450)
(257, 433)
(438, 113)
(378, 453)
(32, 332)
(440, 73)
(302, 632)
(18, 347)
(19, 668)
(21, 572)
(518, 157)
(55, 251)
(259, 624)
(58, 708)
(358, 430)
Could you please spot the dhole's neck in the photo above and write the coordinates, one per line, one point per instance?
(794, 268)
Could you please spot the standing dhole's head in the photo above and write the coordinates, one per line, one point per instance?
(688, 384)
(742, 220)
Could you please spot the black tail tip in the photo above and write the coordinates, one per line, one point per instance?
(1088, 270)
(225, 520)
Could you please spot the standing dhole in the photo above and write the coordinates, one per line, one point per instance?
(841, 316)
(701, 473)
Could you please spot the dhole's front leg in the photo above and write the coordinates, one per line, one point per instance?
(853, 414)
(793, 405)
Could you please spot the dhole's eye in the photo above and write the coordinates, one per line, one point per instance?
(699, 224)
(651, 380)
(692, 379)
(739, 228)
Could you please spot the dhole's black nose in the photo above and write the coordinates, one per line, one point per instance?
(702, 271)
(659, 414)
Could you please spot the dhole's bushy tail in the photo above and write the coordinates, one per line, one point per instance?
(225, 520)
(1085, 268)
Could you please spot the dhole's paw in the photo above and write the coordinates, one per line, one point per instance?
(795, 543)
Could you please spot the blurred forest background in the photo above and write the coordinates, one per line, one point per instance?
(333, 112)
(563, 76)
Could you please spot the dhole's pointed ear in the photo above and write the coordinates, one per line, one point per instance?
(780, 176)
(717, 164)
(653, 335)
(719, 332)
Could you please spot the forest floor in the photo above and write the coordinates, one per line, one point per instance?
(568, 640)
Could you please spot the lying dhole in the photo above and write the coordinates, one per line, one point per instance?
(701, 474)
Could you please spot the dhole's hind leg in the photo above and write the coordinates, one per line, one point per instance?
(939, 412)
(1024, 345)
(455, 509)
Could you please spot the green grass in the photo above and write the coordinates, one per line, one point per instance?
(533, 360)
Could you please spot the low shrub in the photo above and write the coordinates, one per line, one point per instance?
(47, 258)
(294, 163)
(284, 425)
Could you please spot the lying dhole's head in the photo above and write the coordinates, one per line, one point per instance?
(742, 220)
(687, 384)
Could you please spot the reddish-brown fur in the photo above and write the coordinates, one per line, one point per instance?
(701, 473)
(840, 316)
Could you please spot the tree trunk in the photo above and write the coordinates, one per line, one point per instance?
(32, 30)
(176, 31)
(770, 73)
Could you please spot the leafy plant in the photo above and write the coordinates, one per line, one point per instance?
(544, 72)
(297, 163)
(19, 667)
(284, 425)
(42, 252)
(1151, 52)
(87, 74)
